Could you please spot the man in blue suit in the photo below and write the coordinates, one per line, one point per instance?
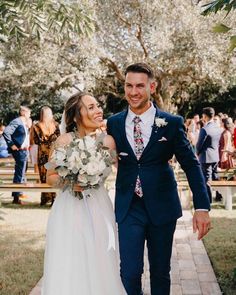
(16, 135)
(208, 147)
(147, 203)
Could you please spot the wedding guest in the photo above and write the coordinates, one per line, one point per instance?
(33, 149)
(234, 136)
(3, 145)
(218, 122)
(45, 132)
(207, 147)
(17, 138)
(226, 145)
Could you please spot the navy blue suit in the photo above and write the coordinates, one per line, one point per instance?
(208, 152)
(15, 134)
(152, 217)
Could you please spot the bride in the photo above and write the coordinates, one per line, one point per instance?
(81, 256)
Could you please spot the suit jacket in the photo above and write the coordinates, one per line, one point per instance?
(14, 133)
(208, 143)
(157, 178)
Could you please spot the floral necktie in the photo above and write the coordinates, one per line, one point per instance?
(138, 148)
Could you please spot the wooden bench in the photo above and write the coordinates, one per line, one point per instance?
(225, 187)
(7, 160)
(224, 174)
(10, 162)
(33, 187)
(29, 176)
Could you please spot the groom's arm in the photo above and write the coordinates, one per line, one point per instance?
(191, 167)
(189, 163)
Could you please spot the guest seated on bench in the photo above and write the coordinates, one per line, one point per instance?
(3, 145)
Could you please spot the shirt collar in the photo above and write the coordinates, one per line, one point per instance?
(210, 121)
(148, 115)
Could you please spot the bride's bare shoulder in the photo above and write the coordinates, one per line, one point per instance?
(63, 139)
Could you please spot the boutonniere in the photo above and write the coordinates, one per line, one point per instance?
(160, 122)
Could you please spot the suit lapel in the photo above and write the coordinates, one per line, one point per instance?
(156, 133)
(123, 134)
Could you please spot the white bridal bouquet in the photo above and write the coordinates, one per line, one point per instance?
(85, 161)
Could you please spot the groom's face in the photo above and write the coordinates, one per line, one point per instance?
(138, 89)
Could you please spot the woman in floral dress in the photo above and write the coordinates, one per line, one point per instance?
(45, 132)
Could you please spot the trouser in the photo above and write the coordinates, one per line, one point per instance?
(134, 230)
(209, 171)
(21, 158)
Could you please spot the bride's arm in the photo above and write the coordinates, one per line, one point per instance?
(52, 177)
(110, 143)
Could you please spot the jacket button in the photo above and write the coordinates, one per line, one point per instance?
(139, 165)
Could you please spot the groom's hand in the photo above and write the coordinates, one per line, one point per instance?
(201, 223)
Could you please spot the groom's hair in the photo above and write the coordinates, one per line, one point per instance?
(140, 68)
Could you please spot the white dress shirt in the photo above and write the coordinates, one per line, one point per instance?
(147, 121)
(26, 142)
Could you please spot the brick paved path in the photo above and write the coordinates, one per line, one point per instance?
(191, 268)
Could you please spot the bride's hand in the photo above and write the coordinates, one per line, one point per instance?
(77, 188)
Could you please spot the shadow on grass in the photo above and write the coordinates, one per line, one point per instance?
(220, 244)
(25, 206)
(21, 262)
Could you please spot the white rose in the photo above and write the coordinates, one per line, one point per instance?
(95, 180)
(91, 168)
(62, 171)
(82, 179)
(102, 166)
(95, 167)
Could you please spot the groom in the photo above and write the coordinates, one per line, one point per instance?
(147, 205)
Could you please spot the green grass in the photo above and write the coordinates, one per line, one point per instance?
(220, 244)
(21, 262)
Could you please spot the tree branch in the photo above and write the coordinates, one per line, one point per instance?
(122, 19)
(113, 66)
(139, 35)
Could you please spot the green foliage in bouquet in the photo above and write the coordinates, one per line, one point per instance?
(85, 161)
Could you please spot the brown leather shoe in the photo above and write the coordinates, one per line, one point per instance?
(17, 201)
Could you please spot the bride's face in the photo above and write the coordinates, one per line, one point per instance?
(91, 113)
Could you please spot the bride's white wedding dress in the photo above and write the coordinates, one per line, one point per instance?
(81, 256)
